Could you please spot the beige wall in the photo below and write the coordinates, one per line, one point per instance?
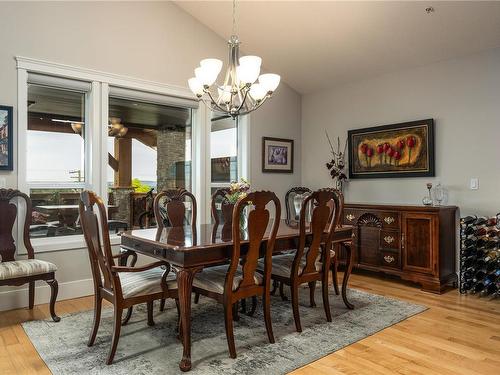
(462, 96)
(153, 41)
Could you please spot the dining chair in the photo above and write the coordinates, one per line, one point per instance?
(292, 197)
(311, 262)
(231, 283)
(169, 208)
(122, 286)
(15, 272)
(334, 252)
(219, 207)
(293, 202)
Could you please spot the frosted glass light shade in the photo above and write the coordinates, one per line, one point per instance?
(212, 67)
(224, 94)
(269, 81)
(253, 61)
(247, 73)
(205, 75)
(195, 86)
(257, 91)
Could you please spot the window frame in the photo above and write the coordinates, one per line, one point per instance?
(97, 109)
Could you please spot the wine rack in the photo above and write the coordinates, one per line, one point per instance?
(480, 256)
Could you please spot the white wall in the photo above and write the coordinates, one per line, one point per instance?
(462, 95)
(153, 41)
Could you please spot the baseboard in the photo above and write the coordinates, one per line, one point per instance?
(18, 298)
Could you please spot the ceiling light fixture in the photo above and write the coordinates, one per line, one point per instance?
(240, 93)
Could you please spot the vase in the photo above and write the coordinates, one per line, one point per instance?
(227, 215)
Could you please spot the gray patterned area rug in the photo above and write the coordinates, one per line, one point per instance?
(155, 350)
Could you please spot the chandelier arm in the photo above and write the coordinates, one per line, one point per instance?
(213, 101)
(256, 107)
(244, 99)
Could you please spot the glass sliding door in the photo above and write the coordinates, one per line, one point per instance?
(149, 149)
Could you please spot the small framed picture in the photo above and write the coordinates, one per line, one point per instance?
(277, 155)
(6, 139)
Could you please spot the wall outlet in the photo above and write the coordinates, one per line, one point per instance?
(3, 183)
(474, 183)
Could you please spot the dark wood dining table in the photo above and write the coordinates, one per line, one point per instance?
(190, 249)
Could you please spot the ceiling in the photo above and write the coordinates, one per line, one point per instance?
(316, 45)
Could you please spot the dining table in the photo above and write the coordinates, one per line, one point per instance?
(190, 249)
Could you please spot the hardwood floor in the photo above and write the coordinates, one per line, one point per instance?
(457, 335)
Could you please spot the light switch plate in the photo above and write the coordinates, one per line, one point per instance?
(474, 183)
(3, 184)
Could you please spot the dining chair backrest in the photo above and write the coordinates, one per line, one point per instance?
(293, 200)
(95, 230)
(173, 201)
(8, 214)
(217, 205)
(257, 224)
(324, 220)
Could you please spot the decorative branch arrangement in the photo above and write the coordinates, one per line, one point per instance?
(337, 164)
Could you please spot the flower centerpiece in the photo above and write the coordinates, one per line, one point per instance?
(336, 165)
(236, 191)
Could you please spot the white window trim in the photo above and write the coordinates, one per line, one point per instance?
(98, 178)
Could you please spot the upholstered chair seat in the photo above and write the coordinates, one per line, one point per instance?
(213, 279)
(282, 264)
(25, 267)
(146, 282)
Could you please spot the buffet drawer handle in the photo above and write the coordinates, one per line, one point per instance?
(389, 239)
(389, 220)
(389, 259)
(350, 217)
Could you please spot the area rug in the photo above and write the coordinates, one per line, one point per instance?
(155, 350)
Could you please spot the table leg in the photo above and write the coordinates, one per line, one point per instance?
(347, 273)
(185, 278)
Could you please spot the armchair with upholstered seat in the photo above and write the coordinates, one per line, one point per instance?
(15, 272)
(123, 286)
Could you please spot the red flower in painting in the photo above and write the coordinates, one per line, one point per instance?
(369, 152)
(380, 149)
(397, 155)
(410, 141)
(364, 148)
(401, 144)
(390, 152)
(387, 146)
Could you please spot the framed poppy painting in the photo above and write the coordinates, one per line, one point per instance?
(6, 136)
(397, 150)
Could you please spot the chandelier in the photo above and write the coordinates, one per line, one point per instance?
(240, 93)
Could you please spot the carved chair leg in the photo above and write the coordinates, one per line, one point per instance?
(228, 319)
(116, 334)
(334, 268)
(254, 306)
(179, 320)
(282, 292)
(97, 319)
(312, 287)
(196, 298)
(326, 302)
(162, 304)
(236, 316)
(54, 288)
(275, 287)
(151, 321)
(31, 295)
(127, 316)
(294, 289)
(267, 316)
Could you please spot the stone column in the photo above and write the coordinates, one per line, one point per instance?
(121, 199)
(171, 155)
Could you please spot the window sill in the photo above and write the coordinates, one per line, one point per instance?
(44, 245)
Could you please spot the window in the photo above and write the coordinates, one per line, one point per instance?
(149, 147)
(56, 158)
(223, 152)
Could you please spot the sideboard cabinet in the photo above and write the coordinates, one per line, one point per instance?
(416, 243)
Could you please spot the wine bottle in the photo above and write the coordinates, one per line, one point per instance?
(479, 232)
(490, 289)
(492, 221)
(468, 231)
(493, 276)
(469, 242)
(467, 285)
(468, 220)
(480, 286)
(469, 261)
(479, 275)
(481, 220)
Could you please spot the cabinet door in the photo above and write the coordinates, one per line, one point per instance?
(420, 242)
